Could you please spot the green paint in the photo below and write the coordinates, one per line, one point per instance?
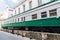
(40, 22)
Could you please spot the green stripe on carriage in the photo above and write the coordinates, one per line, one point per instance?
(38, 23)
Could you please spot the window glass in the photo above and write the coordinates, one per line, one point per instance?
(53, 12)
(43, 14)
(18, 19)
(14, 20)
(15, 11)
(23, 7)
(34, 16)
(22, 18)
(18, 10)
(39, 2)
(30, 4)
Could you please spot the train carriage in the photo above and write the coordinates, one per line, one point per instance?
(34, 15)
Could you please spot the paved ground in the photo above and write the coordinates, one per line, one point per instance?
(8, 36)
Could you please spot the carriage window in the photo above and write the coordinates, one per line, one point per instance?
(44, 14)
(23, 7)
(53, 12)
(18, 19)
(15, 11)
(30, 4)
(23, 19)
(15, 20)
(39, 2)
(34, 16)
(18, 10)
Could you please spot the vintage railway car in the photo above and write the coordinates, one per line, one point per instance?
(34, 15)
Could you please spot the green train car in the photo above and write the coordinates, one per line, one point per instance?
(34, 15)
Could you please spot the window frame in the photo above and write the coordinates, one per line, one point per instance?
(34, 16)
(53, 12)
(44, 14)
(18, 10)
(30, 4)
(18, 19)
(15, 11)
(24, 7)
(22, 19)
(39, 2)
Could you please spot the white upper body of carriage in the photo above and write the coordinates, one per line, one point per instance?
(43, 12)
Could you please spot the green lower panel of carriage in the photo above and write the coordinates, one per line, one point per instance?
(40, 22)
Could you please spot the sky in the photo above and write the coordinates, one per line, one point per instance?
(6, 3)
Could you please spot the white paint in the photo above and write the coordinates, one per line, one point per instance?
(45, 1)
(38, 11)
